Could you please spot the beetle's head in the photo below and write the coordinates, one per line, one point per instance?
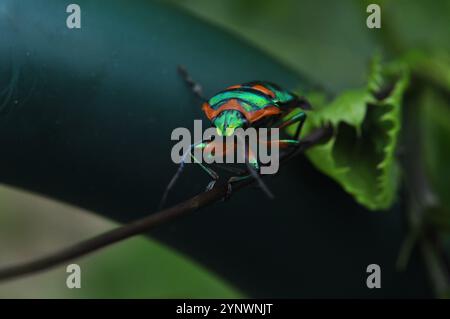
(229, 120)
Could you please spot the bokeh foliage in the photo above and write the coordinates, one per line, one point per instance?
(136, 268)
(361, 154)
(328, 41)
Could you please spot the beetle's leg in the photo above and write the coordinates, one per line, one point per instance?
(232, 170)
(234, 179)
(294, 119)
(174, 179)
(208, 170)
(297, 118)
(195, 87)
(253, 167)
(172, 182)
(301, 119)
(285, 143)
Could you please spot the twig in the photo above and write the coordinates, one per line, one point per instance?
(145, 224)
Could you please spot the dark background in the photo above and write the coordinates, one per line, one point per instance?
(87, 116)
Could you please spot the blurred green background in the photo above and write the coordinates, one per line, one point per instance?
(327, 40)
(151, 270)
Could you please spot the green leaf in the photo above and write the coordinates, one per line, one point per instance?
(361, 154)
(294, 32)
(137, 268)
(153, 271)
(432, 66)
(435, 126)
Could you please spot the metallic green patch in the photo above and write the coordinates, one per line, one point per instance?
(281, 96)
(227, 121)
(246, 106)
(254, 100)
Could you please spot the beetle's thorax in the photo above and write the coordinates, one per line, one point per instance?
(227, 121)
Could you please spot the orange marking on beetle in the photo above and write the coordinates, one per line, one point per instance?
(233, 104)
(222, 149)
(238, 86)
(264, 90)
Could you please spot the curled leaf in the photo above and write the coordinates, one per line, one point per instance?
(361, 154)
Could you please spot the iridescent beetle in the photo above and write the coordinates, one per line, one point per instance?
(256, 104)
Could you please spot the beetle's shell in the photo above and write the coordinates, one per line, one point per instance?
(255, 100)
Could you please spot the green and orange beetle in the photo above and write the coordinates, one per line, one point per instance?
(253, 104)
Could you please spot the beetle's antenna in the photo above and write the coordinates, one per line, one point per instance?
(194, 86)
(259, 180)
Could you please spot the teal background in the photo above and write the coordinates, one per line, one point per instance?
(87, 116)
